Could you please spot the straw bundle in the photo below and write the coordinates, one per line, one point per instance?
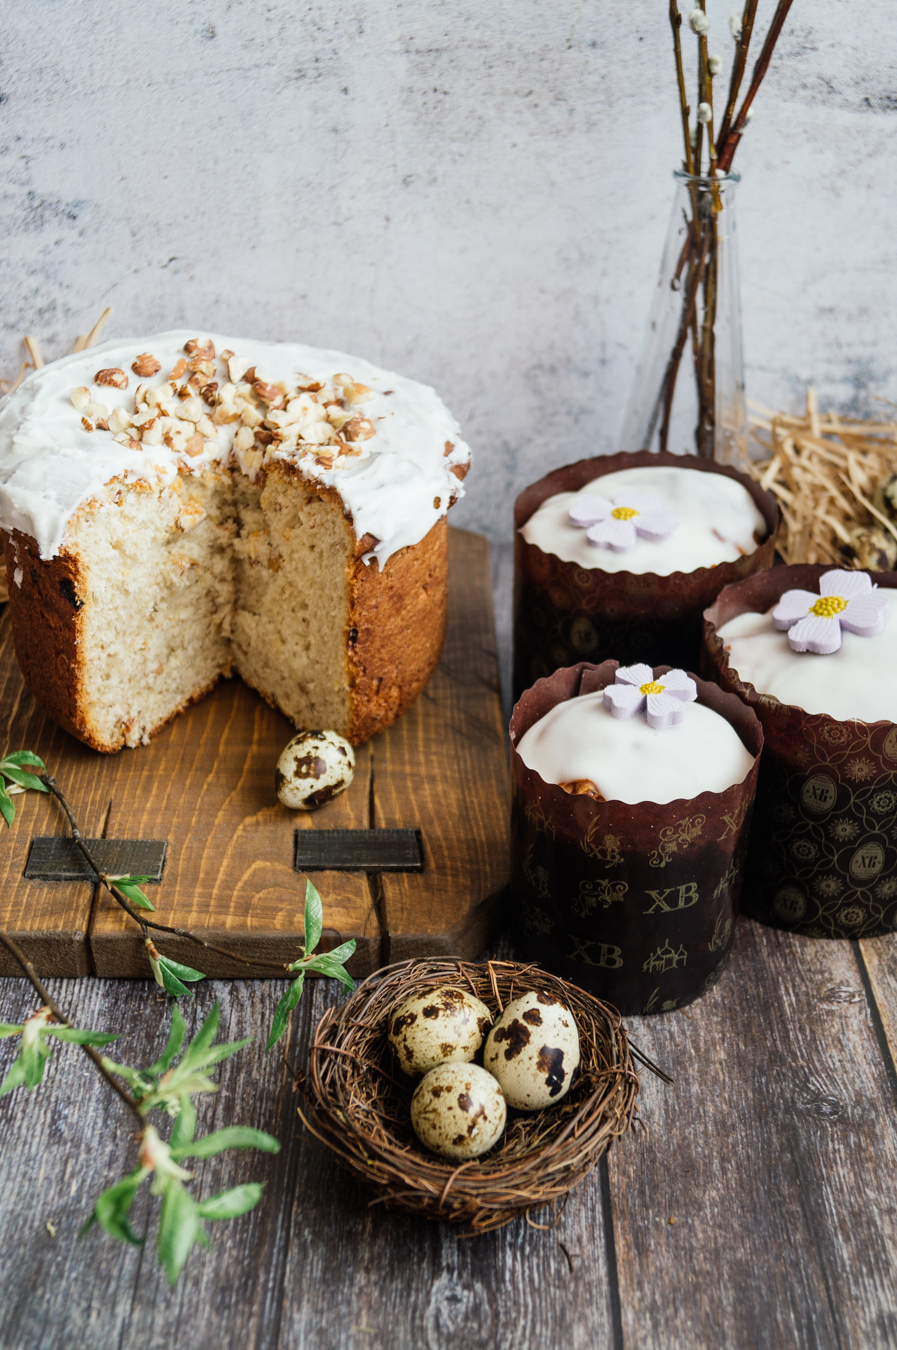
(835, 479)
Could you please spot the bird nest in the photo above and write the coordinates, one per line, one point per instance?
(357, 1100)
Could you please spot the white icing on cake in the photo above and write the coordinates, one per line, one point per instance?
(630, 762)
(859, 680)
(50, 465)
(719, 521)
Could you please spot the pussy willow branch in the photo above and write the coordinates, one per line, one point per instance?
(676, 25)
(668, 387)
(760, 68)
(143, 923)
(738, 67)
(40, 989)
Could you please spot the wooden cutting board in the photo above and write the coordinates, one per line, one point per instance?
(205, 785)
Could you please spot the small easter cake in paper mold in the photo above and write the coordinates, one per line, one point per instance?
(619, 556)
(632, 793)
(812, 650)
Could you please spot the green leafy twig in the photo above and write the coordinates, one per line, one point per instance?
(126, 892)
(31, 1072)
(18, 780)
(170, 1087)
(164, 1086)
(331, 964)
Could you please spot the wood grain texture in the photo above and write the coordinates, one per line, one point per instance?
(446, 762)
(311, 1265)
(49, 919)
(773, 1153)
(206, 785)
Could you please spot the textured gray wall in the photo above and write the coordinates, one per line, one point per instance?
(474, 192)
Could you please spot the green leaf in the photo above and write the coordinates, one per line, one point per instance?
(184, 1125)
(203, 1038)
(34, 1055)
(217, 1053)
(229, 1204)
(178, 1228)
(25, 780)
(132, 1077)
(334, 970)
(7, 810)
(283, 1010)
(176, 1033)
(183, 972)
(7, 1029)
(343, 952)
(170, 982)
(133, 893)
(80, 1037)
(112, 1208)
(15, 1076)
(233, 1136)
(314, 918)
(25, 757)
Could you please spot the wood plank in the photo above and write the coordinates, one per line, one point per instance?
(49, 919)
(443, 768)
(312, 1264)
(206, 784)
(773, 1153)
(70, 1138)
(877, 960)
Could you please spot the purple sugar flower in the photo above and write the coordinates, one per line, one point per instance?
(845, 600)
(618, 524)
(663, 699)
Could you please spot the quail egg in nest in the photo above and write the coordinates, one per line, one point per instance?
(315, 767)
(441, 1026)
(458, 1110)
(533, 1051)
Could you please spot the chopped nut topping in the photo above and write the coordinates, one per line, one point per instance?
(80, 397)
(449, 447)
(145, 365)
(194, 445)
(208, 391)
(179, 367)
(114, 376)
(205, 352)
(359, 429)
(88, 426)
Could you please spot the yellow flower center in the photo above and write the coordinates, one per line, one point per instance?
(652, 687)
(827, 606)
(624, 512)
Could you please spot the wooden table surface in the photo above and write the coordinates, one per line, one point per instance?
(758, 1208)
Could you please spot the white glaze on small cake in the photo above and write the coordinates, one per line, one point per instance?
(719, 522)
(395, 486)
(859, 680)
(628, 761)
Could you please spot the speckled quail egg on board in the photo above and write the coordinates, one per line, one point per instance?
(315, 767)
(458, 1110)
(533, 1051)
(440, 1026)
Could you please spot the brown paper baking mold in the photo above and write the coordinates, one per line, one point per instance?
(822, 856)
(564, 613)
(635, 903)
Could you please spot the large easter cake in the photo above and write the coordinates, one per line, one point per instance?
(179, 508)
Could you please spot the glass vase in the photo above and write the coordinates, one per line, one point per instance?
(688, 393)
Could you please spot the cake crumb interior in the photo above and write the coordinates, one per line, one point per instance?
(213, 574)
